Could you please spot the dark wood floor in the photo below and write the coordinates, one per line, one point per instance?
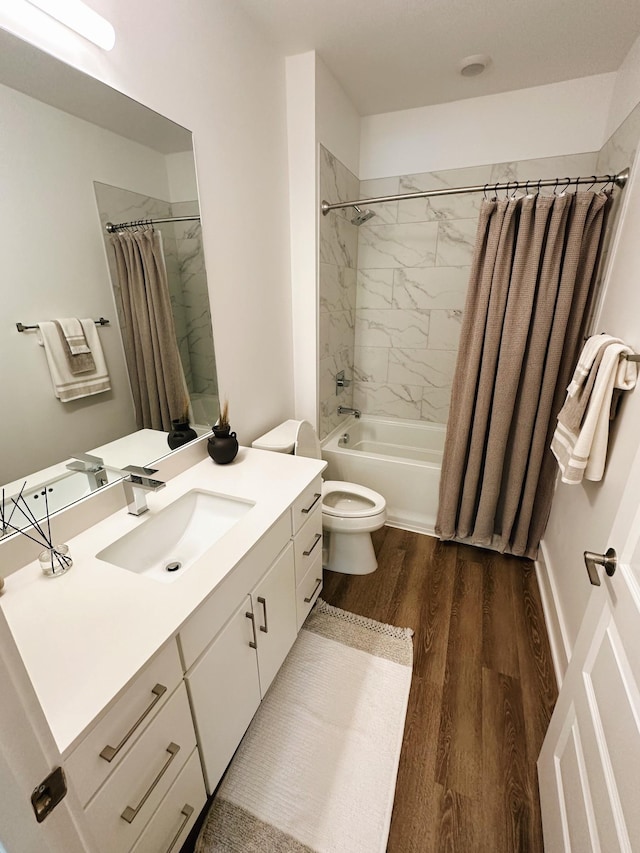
(481, 696)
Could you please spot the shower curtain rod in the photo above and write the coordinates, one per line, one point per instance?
(618, 180)
(111, 228)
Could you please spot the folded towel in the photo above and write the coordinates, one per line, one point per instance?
(579, 391)
(74, 334)
(79, 362)
(66, 385)
(581, 450)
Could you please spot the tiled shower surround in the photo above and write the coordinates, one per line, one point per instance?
(411, 267)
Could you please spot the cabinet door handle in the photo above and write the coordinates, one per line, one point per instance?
(317, 539)
(110, 752)
(254, 644)
(317, 586)
(316, 498)
(130, 814)
(263, 602)
(187, 811)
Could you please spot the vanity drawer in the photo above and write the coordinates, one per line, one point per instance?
(121, 809)
(307, 543)
(168, 828)
(200, 629)
(308, 590)
(306, 503)
(123, 723)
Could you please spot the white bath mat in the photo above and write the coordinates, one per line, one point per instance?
(316, 771)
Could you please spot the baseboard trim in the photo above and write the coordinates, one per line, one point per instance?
(556, 628)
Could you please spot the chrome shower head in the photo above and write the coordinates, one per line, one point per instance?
(361, 215)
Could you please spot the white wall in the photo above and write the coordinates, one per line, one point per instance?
(301, 126)
(581, 516)
(318, 112)
(337, 121)
(210, 70)
(54, 266)
(181, 175)
(560, 118)
(626, 91)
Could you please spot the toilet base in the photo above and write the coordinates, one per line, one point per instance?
(351, 554)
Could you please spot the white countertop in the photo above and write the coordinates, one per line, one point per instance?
(85, 635)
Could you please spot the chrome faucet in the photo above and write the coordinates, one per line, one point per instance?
(92, 466)
(345, 410)
(136, 485)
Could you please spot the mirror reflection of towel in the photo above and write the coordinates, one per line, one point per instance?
(75, 346)
(66, 385)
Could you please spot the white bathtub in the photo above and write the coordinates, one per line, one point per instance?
(398, 458)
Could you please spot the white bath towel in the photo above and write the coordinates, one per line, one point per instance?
(66, 385)
(581, 450)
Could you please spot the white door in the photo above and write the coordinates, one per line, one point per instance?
(27, 755)
(589, 765)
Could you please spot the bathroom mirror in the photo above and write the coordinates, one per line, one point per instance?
(76, 154)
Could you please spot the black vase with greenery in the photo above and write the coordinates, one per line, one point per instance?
(222, 446)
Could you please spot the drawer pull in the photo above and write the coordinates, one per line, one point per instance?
(316, 588)
(263, 602)
(129, 814)
(110, 752)
(316, 498)
(187, 811)
(254, 644)
(317, 539)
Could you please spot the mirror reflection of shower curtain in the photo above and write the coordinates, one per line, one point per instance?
(532, 277)
(153, 360)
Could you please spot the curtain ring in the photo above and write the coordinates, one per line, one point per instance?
(593, 183)
(555, 189)
(566, 187)
(515, 189)
(496, 189)
(484, 191)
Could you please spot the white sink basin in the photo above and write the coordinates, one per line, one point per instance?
(165, 545)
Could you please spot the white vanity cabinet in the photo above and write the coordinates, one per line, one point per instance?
(136, 757)
(229, 680)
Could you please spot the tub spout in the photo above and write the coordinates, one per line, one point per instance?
(345, 410)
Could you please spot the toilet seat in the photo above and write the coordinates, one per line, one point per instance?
(350, 500)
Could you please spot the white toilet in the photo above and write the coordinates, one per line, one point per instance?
(350, 513)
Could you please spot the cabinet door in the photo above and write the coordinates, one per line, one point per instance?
(225, 693)
(274, 606)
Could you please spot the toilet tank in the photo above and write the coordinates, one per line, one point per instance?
(281, 439)
(292, 436)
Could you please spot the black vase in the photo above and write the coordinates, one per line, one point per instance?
(222, 445)
(181, 433)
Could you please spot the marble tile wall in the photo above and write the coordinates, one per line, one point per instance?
(337, 290)
(413, 262)
(195, 301)
(186, 275)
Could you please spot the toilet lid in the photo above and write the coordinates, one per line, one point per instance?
(350, 500)
(307, 443)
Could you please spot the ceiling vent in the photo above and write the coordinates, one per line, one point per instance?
(471, 66)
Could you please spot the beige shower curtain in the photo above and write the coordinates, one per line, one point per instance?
(531, 279)
(151, 348)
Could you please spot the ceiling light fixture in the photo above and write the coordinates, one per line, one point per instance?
(80, 18)
(473, 65)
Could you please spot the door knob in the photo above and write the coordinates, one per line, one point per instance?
(609, 561)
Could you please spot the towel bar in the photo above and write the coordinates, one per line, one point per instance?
(22, 328)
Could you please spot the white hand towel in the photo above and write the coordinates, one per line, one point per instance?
(583, 453)
(74, 333)
(66, 385)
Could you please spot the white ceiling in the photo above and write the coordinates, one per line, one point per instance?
(396, 54)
